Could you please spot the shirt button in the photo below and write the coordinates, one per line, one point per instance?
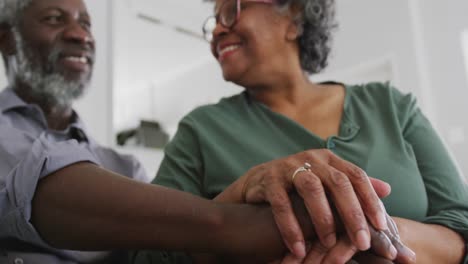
(19, 261)
(331, 145)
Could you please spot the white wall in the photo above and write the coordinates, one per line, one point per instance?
(370, 29)
(444, 23)
(96, 106)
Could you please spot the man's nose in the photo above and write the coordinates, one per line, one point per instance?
(78, 33)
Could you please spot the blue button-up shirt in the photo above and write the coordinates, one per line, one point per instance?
(29, 151)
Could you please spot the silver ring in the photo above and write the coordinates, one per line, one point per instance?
(306, 167)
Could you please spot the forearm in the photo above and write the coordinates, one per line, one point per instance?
(84, 207)
(431, 243)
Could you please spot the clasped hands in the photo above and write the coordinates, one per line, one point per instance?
(342, 203)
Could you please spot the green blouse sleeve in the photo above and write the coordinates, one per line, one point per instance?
(445, 185)
(182, 167)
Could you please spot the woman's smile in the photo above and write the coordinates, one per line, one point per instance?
(226, 50)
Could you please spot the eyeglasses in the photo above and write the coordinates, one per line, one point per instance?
(227, 15)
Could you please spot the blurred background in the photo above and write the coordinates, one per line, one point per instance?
(153, 65)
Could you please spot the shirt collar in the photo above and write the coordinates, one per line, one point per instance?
(9, 100)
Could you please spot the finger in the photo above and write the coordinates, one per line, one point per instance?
(342, 252)
(382, 188)
(381, 244)
(392, 227)
(310, 188)
(286, 220)
(361, 183)
(291, 259)
(405, 254)
(316, 254)
(347, 204)
(367, 257)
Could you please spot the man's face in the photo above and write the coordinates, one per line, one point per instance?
(55, 47)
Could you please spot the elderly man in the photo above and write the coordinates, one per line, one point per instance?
(60, 189)
(56, 188)
(49, 55)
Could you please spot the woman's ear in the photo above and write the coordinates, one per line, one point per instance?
(294, 28)
(7, 41)
(293, 31)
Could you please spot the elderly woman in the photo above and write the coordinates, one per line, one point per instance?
(270, 47)
(38, 224)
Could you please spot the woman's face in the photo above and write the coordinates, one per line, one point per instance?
(255, 46)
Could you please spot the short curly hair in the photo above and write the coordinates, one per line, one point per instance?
(316, 21)
(11, 10)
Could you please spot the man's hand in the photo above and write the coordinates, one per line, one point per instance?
(369, 258)
(353, 193)
(385, 244)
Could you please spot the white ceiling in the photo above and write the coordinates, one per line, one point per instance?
(158, 48)
(183, 13)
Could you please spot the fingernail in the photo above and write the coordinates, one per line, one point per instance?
(299, 249)
(363, 240)
(382, 221)
(411, 254)
(393, 252)
(330, 240)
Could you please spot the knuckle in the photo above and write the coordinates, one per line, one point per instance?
(370, 202)
(340, 180)
(280, 209)
(320, 154)
(358, 174)
(270, 177)
(311, 186)
(328, 152)
(280, 203)
(357, 216)
(260, 167)
(325, 220)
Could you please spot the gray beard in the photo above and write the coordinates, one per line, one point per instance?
(47, 87)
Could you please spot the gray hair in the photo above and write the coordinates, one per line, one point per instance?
(11, 10)
(316, 22)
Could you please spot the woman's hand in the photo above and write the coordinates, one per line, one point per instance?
(353, 193)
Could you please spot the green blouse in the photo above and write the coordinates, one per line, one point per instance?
(382, 131)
